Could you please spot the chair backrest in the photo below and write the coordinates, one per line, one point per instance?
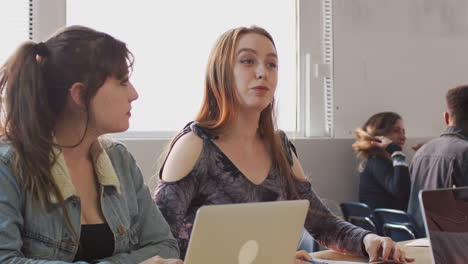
(385, 215)
(363, 222)
(398, 232)
(391, 216)
(355, 209)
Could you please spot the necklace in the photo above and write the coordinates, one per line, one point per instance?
(464, 217)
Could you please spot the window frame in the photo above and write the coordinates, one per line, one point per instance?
(314, 62)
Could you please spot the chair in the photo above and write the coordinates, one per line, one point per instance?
(391, 216)
(386, 215)
(363, 222)
(358, 214)
(355, 209)
(398, 232)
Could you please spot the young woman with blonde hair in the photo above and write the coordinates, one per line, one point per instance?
(233, 152)
(384, 175)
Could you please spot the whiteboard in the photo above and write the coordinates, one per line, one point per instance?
(397, 55)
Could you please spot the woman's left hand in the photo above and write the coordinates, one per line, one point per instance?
(385, 248)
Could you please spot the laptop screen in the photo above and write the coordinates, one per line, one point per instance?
(446, 220)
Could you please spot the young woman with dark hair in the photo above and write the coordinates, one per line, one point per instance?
(66, 193)
(384, 174)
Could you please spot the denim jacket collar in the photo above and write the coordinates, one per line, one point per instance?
(106, 175)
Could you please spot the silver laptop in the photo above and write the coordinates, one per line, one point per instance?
(445, 213)
(252, 233)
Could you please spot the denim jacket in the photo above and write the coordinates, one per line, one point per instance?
(29, 234)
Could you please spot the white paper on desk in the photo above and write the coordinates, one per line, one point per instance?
(422, 242)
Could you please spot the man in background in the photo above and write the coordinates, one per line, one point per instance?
(443, 161)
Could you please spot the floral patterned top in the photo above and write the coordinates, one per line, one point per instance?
(214, 179)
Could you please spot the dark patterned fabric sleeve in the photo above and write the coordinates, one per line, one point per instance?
(330, 231)
(327, 229)
(173, 200)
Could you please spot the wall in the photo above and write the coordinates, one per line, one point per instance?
(397, 55)
(329, 163)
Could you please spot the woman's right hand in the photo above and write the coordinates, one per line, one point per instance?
(159, 260)
(384, 142)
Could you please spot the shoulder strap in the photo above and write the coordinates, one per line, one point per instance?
(288, 146)
(187, 129)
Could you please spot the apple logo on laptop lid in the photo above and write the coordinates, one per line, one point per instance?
(248, 252)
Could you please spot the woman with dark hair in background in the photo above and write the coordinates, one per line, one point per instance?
(384, 175)
(66, 193)
(233, 152)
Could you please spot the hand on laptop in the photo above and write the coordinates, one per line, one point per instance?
(159, 260)
(385, 248)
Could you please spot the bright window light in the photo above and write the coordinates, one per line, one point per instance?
(13, 26)
(171, 41)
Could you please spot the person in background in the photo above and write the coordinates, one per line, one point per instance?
(67, 194)
(384, 175)
(442, 162)
(233, 152)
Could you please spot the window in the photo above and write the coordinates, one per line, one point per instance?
(14, 28)
(171, 41)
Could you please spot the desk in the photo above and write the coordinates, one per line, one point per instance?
(420, 254)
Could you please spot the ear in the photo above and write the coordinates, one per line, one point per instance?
(447, 118)
(77, 94)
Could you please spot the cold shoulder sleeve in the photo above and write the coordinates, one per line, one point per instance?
(175, 199)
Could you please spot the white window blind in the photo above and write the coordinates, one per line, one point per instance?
(327, 49)
(171, 41)
(14, 26)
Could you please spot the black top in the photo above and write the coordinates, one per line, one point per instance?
(96, 242)
(385, 183)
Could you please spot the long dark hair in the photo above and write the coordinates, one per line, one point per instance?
(219, 106)
(34, 84)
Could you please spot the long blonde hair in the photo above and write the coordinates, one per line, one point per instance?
(220, 104)
(379, 124)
